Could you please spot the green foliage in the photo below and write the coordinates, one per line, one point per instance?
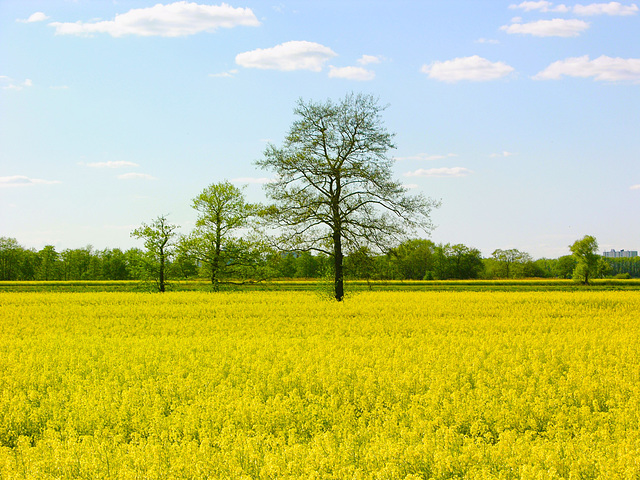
(220, 241)
(588, 265)
(625, 266)
(159, 241)
(415, 257)
(456, 262)
(512, 263)
(565, 266)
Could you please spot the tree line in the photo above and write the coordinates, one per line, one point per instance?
(414, 259)
(334, 210)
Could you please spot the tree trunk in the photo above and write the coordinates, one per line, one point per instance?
(161, 271)
(338, 282)
(215, 282)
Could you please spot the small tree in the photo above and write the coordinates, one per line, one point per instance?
(511, 262)
(415, 258)
(584, 252)
(223, 213)
(49, 266)
(333, 190)
(159, 241)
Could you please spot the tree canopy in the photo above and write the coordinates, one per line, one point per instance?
(216, 241)
(334, 191)
(159, 241)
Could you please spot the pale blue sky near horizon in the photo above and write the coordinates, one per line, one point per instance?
(523, 118)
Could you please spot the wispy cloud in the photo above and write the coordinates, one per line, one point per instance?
(611, 8)
(490, 41)
(7, 83)
(474, 68)
(558, 27)
(288, 56)
(542, 6)
(502, 154)
(111, 164)
(440, 172)
(603, 68)
(635, 187)
(351, 73)
(177, 19)
(427, 157)
(23, 181)
(136, 176)
(229, 74)
(368, 59)
(36, 17)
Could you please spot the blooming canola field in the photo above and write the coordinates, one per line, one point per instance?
(290, 385)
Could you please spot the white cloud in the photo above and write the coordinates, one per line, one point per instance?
(173, 20)
(9, 84)
(252, 180)
(542, 6)
(367, 59)
(602, 69)
(503, 154)
(440, 172)
(23, 181)
(229, 74)
(136, 176)
(557, 27)
(288, 56)
(427, 157)
(35, 17)
(635, 187)
(489, 41)
(473, 68)
(112, 164)
(611, 8)
(351, 73)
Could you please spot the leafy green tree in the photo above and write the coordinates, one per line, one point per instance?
(79, 264)
(217, 241)
(456, 262)
(625, 266)
(159, 241)
(184, 264)
(308, 266)
(333, 190)
(415, 258)
(136, 263)
(360, 264)
(510, 262)
(49, 264)
(565, 266)
(113, 265)
(10, 252)
(584, 253)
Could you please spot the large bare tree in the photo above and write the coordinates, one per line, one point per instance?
(334, 190)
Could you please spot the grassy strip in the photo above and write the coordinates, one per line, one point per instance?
(322, 285)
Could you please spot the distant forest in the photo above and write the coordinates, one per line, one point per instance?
(416, 259)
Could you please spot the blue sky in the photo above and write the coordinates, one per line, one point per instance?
(522, 117)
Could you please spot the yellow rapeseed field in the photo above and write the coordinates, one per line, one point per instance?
(272, 385)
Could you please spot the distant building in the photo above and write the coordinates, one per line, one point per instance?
(620, 254)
